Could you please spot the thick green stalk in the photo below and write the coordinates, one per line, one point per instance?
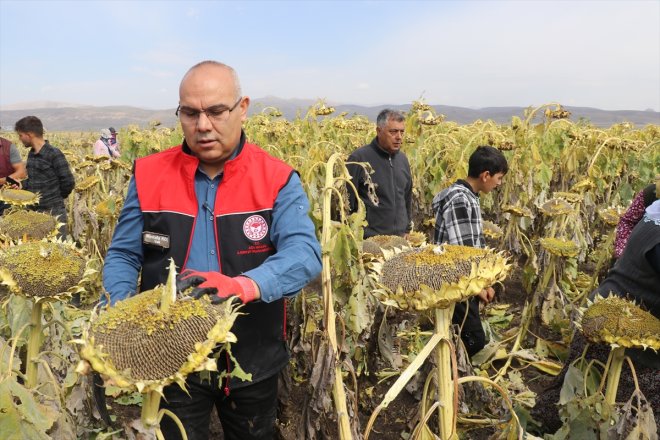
(614, 373)
(34, 345)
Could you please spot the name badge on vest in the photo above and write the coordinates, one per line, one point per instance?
(156, 240)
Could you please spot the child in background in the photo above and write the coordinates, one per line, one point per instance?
(458, 221)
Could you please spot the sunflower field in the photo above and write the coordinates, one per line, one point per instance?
(367, 360)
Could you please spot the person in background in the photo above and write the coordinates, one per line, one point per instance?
(48, 171)
(113, 138)
(391, 212)
(104, 147)
(235, 220)
(11, 165)
(633, 215)
(458, 221)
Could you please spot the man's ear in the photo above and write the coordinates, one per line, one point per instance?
(483, 176)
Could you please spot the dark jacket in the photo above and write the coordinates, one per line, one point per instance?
(250, 185)
(392, 215)
(632, 275)
(49, 175)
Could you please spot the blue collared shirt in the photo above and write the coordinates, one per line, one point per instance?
(296, 261)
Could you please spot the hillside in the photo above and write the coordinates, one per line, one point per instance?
(67, 117)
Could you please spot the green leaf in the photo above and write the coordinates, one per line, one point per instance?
(21, 415)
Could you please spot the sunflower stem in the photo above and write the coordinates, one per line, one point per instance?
(34, 345)
(614, 373)
(150, 405)
(446, 422)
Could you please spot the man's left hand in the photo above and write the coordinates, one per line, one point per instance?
(219, 287)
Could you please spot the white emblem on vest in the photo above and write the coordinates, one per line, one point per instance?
(255, 227)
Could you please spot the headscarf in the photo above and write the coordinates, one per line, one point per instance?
(653, 212)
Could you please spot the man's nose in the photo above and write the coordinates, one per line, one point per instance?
(203, 122)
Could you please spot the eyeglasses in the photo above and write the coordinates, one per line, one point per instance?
(215, 113)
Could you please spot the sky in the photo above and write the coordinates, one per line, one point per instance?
(603, 54)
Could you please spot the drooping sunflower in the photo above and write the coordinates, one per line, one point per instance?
(619, 322)
(45, 269)
(377, 244)
(560, 247)
(557, 206)
(34, 225)
(438, 276)
(611, 215)
(518, 211)
(154, 339)
(87, 183)
(18, 197)
(622, 324)
(491, 230)
(135, 344)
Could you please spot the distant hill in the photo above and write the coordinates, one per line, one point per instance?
(69, 117)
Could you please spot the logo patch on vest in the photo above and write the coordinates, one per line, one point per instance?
(157, 240)
(255, 227)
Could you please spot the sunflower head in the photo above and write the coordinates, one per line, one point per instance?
(438, 276)
(44, 270)
(18, 197)
(560, 247)
(571, 197)
(611, 215)
(583, 185)
(33, 225)
(518, 211)
(619, 322)
(555, 207)
(491, 230)
(126, 342)
(378, 243)
(87, 183)
(109, 207)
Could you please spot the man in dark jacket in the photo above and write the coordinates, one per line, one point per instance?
(389, 209)
(49, 173)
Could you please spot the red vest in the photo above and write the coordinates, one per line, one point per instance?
(243, 216)
(6, 168)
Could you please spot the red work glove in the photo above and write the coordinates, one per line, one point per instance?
(218, 286)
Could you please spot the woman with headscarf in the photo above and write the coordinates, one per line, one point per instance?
(104, 147)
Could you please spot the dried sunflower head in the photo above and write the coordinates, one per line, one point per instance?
(519, 211)
(44, 269)
(378, 243)
(109, 207)
(87, 183)
(554, 207)
(491, 230)
(438, 276)
(137, 345)
(34, 225)
(560, 247)
(18, 197)
(611, 215)
(619, 322)
(583, 185)
(570, 197)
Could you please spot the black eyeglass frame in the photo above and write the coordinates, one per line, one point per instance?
(198, 112)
